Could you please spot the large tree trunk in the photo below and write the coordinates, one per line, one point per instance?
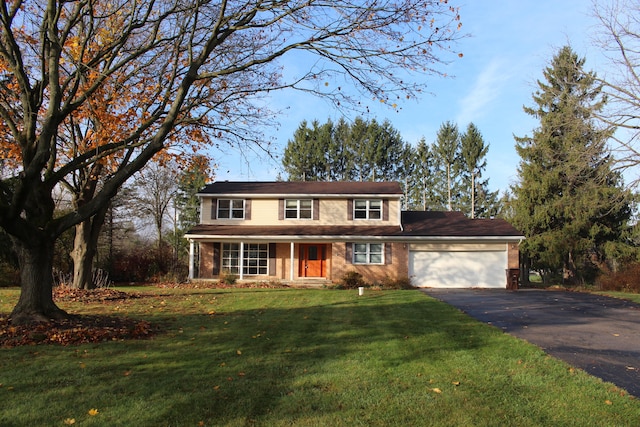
(85, 247)
(36, 266)
(82, 254)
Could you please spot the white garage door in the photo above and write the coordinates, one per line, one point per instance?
(458, 269)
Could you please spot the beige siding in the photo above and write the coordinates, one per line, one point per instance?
(332, 212)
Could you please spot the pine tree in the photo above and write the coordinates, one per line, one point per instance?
(568, 201)
(476, 197)
(447, 151)
(421, 194)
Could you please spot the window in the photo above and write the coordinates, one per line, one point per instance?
(255, 258)
(367, 209)
(368, 253)
(231, 257)
(230, 209)
(298, 209)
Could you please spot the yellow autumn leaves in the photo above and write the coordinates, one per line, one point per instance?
(71, 421)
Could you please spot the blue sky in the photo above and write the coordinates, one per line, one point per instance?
(510, 43)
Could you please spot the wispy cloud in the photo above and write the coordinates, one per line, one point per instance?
(486, 89)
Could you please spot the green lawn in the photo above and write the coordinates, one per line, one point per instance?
(284, 357)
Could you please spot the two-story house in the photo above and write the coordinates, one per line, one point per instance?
(295, 231)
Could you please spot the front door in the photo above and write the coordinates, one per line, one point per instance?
(312, 260)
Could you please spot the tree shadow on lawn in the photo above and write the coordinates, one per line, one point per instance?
(247, 364)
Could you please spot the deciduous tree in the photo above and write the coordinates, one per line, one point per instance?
(172, 72)
(618, 37)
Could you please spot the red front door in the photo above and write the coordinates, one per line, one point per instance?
(312, 260)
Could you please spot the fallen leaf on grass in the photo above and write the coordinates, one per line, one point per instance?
(608, 402)
(455, 383)
(436, 390)
(93, 412)
(70, 421)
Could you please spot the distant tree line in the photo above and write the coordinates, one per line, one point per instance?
(444, 175)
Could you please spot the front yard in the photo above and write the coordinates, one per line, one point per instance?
(283, 357)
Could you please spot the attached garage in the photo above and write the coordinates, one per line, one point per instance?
(458, 266)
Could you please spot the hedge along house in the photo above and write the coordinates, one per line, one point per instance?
(302, 231)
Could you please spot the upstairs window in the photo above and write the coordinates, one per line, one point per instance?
(298, 209)
(367, 209)
(230, 209)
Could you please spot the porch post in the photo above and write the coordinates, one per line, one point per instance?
(191, 258)
(240, 267)
(291, 270)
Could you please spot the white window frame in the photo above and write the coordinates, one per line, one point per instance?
(368, 253)
(297, 209)
(233, 208)
(255, 260)
(230, 258)
(367, 209)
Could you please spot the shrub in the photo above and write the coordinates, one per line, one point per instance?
(396, 283)
(351, 280)
(228, 278)
(625, 280)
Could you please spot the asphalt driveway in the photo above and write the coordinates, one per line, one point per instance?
(598, 334)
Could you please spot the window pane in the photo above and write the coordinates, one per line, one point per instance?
(375, 248)
(291, 214)
(374, 214)
(238, 204)
(360, 258)
(291, 204)
(374, 204)
(360, 247)
(360, 214)
(375, 259)
(305, 204)
(305, 214)
(360, 204)
(223, 204)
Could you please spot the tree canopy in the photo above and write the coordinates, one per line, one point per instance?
(137, 78)
(360, 151)
(568, 201)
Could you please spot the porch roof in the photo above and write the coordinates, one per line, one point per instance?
(415, 225)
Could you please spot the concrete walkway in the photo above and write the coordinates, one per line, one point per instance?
(598, 334)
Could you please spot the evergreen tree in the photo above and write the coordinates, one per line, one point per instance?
(568, 201)
(447, 151)
(477, 199)
(360, 151)
(191, 180)
(304, 156)
(421, 194)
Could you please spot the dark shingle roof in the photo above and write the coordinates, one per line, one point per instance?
(454, 224)
(302, 188)
(415, 224)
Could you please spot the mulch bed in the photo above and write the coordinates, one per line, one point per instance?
(78, 329)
